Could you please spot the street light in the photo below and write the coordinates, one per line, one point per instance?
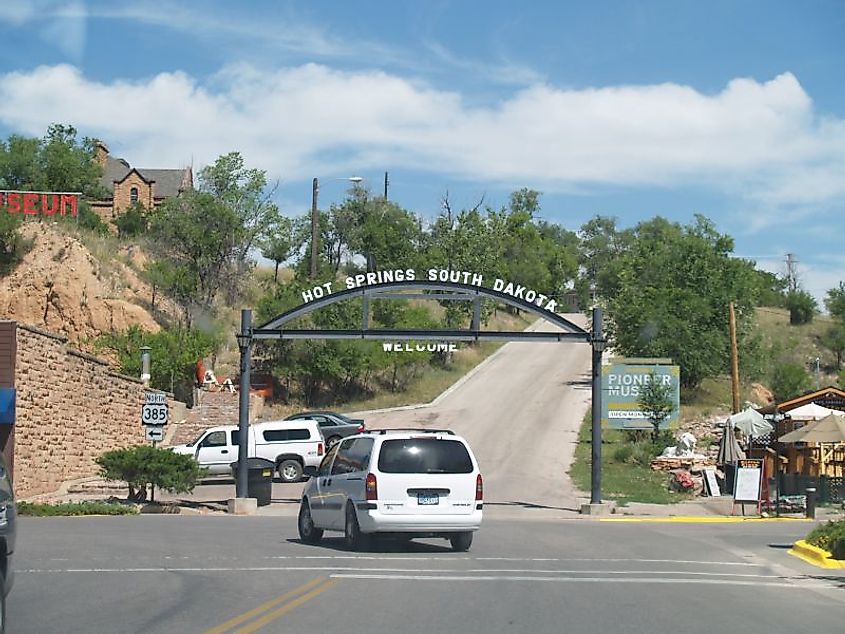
(145, 365)
(244, 338)
(315, 218)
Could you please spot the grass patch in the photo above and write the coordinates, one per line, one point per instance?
(33, 509)
(624, 478)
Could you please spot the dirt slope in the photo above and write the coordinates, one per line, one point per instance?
(61, 287)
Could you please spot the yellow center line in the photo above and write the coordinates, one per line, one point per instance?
(272, 616)
(246, 616)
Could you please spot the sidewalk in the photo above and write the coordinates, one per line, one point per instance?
(212, 497)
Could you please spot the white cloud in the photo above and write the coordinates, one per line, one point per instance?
(758, 140)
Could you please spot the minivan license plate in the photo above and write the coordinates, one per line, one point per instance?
(428, 498)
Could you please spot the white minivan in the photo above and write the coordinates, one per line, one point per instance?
(411, 483)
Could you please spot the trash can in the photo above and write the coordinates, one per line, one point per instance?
(259, 482)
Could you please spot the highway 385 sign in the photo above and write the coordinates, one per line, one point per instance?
(154, 409)
(621, 384)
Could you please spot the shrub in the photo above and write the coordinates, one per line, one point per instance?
(829, 536)
(144, 465)
(790, 379)
(802, 307)
(75, 508)
(623, 453)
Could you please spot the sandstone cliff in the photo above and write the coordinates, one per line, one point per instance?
(61, 287)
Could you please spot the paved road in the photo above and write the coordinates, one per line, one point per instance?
(521, 413)
(157, 574)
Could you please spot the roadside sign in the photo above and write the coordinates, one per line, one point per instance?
(155, 434)
(154, 409)
(621, 385)
(155, 398)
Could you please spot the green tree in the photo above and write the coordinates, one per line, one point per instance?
(789, 380)
(655, 400)
(245, 195)
(835, 301)
(173, 356)
(193, 238)
(834, 340)
(280, 243)
(672, 295)
(802, 307)
(600, 247)
(143, 466)
(132, 222)
(12, 244)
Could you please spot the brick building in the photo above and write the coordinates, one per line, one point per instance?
(126, 184)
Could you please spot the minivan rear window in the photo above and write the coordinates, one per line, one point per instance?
(424, 455)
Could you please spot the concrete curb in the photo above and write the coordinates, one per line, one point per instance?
(703, 520)
(466, 377)
(815, 556)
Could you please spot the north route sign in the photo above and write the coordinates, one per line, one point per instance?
(621, 384)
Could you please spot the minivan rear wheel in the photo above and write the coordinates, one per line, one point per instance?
(308, 533)
(461, 542)
(352, 535)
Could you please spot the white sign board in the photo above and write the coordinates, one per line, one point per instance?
(156, 434)
(712, 483)
(154, 414)
(747, 485)
(155, 398)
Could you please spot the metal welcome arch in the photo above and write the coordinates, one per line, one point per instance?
(419, 289)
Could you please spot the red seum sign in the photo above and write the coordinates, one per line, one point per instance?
(40, 203)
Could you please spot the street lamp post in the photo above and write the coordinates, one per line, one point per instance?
(315, 218)
(598, 343)
(244, 338)
(145, 365)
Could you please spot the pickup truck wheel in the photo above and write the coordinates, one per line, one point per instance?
(461, 542)
(308, 533)
(290, 471)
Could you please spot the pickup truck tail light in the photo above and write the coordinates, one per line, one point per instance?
(372, 487)
(319, 449)
(479, 488)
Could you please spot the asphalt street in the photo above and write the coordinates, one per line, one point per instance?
(219, 574)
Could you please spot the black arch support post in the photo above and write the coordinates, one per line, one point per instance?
(244, 344)
(598, 347)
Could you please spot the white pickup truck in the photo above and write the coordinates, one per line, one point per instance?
(291, 445)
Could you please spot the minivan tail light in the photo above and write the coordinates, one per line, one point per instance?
(319, 449)
(372, 487)
(479, 488)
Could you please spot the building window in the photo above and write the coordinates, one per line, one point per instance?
(133, 195)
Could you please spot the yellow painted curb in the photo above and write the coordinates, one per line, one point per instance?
(815, 556)
(703, 519)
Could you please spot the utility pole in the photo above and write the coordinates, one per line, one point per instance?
(734, 361)
(792, 271)
(315, 227)
(386, 182)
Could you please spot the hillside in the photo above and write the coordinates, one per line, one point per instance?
(63, 287)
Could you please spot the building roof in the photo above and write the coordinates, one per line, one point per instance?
(169, 182)
(830, 396)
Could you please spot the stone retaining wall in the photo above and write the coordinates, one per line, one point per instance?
(71, 407)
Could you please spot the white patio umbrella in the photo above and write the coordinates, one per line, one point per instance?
(751, 423)
(810, 411)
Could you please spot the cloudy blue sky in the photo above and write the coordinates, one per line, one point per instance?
(735, 110)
